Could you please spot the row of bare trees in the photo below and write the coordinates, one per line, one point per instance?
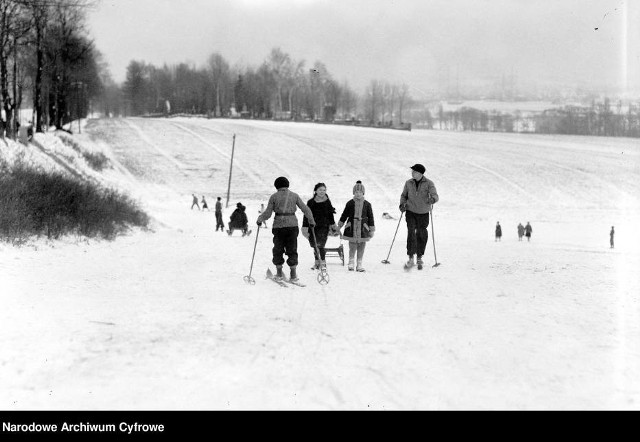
(46, 55)
(279, 88)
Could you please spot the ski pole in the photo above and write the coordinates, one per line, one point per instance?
(433, 240)
(248, 279)
(323, 276)
(386, 261)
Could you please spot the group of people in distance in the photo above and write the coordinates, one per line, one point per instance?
(416, 200)
(522, 231)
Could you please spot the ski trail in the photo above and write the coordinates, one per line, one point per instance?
(157, 148)
(249, 173)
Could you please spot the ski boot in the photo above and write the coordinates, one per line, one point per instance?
(323, 265)
(420, 263)
(359, 267)
(279, 275)
(409, 263)
(229, 232)
(316, 266)
(350, 265)
(293, 276)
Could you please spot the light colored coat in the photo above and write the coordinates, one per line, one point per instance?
(284, 203)
(419, 199)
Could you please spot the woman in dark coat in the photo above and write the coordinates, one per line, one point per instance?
(238, 220)
(323, 211)
(357, 219)
(498, 232)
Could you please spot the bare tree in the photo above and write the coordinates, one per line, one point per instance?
(220, 75)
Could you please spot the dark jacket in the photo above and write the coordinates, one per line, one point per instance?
(367, 223)
(322, 213)
(238, 219)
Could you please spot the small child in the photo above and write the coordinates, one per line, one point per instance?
(204, 204)
(498, 231)
(357, 219)
(520, 231)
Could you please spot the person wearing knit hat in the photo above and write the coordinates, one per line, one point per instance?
(417, 199)
(285, 226)
(323, 212)
(239, 221)
(359, 225)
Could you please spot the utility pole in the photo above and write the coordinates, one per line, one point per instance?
(233, 148)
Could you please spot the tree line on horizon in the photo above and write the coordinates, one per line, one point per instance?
(279, 88)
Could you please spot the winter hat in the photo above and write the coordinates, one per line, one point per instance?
(319, 185)
(359, 186)
(419, 168)
(281, 182)
(239, 205)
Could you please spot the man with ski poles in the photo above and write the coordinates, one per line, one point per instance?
(417, 199)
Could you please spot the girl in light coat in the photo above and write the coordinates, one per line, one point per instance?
(359, 226)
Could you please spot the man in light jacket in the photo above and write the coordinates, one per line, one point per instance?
(417, 199)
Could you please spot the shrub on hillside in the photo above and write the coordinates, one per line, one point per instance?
(34, 202)
(97, 161)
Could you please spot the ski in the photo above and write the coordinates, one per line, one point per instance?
(273, 278)
(298, 283)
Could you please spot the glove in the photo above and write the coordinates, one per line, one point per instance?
(259, 223)
(305, 232)
(312, 224)
(403, 207)
(371, 234)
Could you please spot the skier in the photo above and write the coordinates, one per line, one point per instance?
(498, 232)
(238, 221)
(285, 226)
(204, 204)
(219, 222)
(520, 231)
(417, 199)
(195, 202)
(527, 231)
(322, 209)
(611, 234)
(358, 222)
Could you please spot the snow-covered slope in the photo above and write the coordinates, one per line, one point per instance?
(163, 320)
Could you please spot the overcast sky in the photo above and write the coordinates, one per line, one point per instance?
(412, 41)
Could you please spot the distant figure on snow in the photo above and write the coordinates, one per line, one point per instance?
(195, 202)
(219, 223)
(520, 231)
(260, 212)
(238, 221)
(527, 231)
(611, 234)
(204, 203)
(498, 232)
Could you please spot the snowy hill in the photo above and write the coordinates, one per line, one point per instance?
(164, 320)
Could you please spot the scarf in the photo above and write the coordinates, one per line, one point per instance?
(357, 215)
